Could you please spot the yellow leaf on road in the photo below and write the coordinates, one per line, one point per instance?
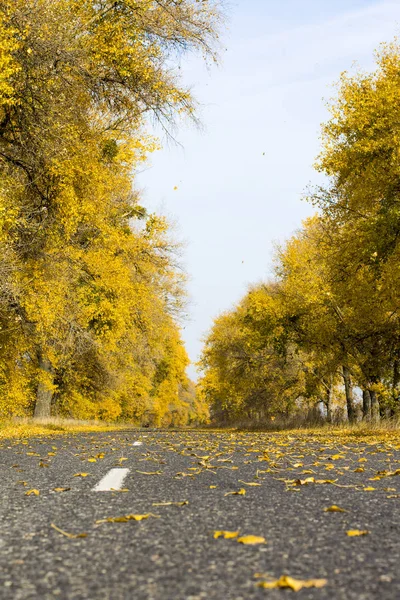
(227, 535)
(81, 474)
(183, 503)
(68, 535)
(251, 540)
(356, 532)
(294, 584)
(251, 483)
(150, 472)
(61, 489)
(126, 518)
(241, 492)
(305, 481)
(32, 493)
(335, 508)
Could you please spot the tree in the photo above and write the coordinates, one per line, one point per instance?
(91, 287)
(360, 149)
(250, 371)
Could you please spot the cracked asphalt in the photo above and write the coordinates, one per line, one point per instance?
(174, 555)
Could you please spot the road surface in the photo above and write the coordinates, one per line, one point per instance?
(57, 487)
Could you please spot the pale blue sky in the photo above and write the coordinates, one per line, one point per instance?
(232, 202)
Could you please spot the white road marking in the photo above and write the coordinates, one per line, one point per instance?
(137, 443)
(112, 481)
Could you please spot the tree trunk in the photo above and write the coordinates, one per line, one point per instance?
(395, 387)
(351, 413)
(328, 404)
(44, 393)
(375, 414)
(366, 405)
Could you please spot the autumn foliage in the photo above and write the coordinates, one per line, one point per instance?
(90, 285)
(326, 331)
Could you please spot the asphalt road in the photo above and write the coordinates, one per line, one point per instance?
(174, 555)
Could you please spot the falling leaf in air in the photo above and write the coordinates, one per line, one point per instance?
(250, 540)
(241, 492)
(294, 584)
(227, 535)
(335, 508)
(356, 532)
(68, 535)
(126, 518)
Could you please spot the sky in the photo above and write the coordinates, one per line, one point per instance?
(241, 178)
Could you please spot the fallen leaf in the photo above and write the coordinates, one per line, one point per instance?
(241, 492)
(325, 481)
(251, 483)
(356, 532)
(335, 508)
(294, 584)
(126, 518)
(61, 489)
(227, 535)
(68, 535)
(183, 503)
(150, 473)
(81, 474)
(251, 540)
(32, 492)
(305, 481)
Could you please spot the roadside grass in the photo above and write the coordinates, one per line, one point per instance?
(28, 427)
(386, 429)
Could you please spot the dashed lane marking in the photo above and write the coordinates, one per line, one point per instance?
(112, 481)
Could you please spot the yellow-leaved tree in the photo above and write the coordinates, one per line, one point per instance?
(90, 285)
